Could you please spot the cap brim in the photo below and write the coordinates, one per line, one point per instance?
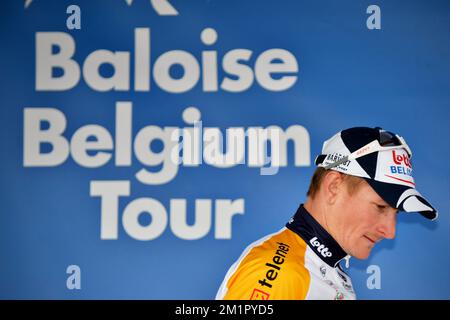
(403, 198)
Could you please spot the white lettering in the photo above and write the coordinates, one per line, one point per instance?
(34, 136)
(242, 72)
(142, 59)
(74, 20)
(79, 145)
(238, 74)
(74, 280)
(120, 81)
(266, 65)
(374, 280)
(110, 192)
(46, 62)
(144, 205)
(320, 247)
(225, 210)
(374, 20)
(158, 149)
(191, 71)
(178, 218)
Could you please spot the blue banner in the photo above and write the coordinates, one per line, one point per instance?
(136, 156)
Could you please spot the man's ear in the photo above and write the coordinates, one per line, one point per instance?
(332, 185)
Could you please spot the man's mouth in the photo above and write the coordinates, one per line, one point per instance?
(370, 239)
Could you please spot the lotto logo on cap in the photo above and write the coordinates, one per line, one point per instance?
(394, 166)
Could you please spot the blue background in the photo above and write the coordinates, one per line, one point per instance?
(396, 78)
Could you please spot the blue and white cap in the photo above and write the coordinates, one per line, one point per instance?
(383, 159)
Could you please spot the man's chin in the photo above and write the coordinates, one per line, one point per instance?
(361, 254)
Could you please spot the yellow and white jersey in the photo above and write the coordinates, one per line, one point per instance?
(301, 261)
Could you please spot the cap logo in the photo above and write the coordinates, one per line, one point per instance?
(399, 159)
(334, 157)
(363, 150)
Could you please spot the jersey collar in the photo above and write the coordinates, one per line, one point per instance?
(317, 238)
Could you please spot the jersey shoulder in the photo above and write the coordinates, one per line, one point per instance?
(271, 268)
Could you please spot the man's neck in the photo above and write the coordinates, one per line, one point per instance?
(316, 236)
(318, 211)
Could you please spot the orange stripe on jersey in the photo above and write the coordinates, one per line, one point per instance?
(274, 269)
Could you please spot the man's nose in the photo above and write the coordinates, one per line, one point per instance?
(388, 225)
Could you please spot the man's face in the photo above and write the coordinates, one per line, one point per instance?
(364, 219)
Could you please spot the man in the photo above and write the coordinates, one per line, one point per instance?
(364, 177)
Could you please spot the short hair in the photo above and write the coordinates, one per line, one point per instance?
(352, 182)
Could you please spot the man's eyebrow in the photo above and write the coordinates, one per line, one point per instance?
(384, 205)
